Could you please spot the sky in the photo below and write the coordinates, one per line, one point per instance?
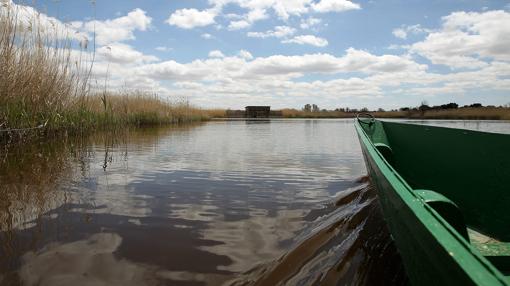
(287, 53)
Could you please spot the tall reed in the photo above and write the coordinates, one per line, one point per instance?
(45, 80)
(37, 78)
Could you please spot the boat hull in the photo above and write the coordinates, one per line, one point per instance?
(432, 252)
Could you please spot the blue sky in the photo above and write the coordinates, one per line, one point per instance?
(286, 53)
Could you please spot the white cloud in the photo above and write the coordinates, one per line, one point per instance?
(122, 53)
(245, 55)
(29, 18)
(256, 15)
(284, 8)
(191, 18)
(403, 31)
(468, 40)
(325, 6)
(118, 29)
(309, 23)
(243, 79)
(277, 32)
(207, 36)
(279, 66)
(216, 54)
(398, 47)
(400, 33)
(237, 25)
(245, 21)
(308, 40)
(258, 9)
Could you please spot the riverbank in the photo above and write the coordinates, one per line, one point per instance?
(467, 113)
(93, 112)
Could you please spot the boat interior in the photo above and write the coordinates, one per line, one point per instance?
(463, 175)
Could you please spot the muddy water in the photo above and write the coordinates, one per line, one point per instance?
(222, 203)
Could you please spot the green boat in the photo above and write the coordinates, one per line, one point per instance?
(445, 195)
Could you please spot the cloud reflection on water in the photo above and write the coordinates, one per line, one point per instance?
(194, 204)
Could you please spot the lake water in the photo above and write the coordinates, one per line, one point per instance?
(220, 203)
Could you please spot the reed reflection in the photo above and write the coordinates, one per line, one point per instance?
(39, 183)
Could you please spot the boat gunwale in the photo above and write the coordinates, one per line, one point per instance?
(411, 122)
(398, 183)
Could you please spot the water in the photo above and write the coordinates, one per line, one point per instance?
(222, 203)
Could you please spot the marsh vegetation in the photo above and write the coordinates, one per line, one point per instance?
(45, 83)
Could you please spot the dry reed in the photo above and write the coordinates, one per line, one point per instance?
(43, 81)
(294, 113)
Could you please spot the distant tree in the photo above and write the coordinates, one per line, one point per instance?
(423, 107)
(476, 105)
(380, 110)
(451, 105)
(315, 108)
(404, 109)
(307, 108)
(364, 109)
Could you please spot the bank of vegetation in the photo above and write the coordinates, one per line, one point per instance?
(474, 111)
(45, 84)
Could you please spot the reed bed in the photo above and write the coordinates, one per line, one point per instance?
(216, 113)
(466, 113)
(294, 113)
(45, 82)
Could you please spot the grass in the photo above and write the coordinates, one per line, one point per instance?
(43, 82)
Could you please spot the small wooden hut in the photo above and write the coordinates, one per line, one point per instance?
(257, 111)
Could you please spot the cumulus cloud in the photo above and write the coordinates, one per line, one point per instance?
(29, 18)
(277, 32)
(325, 6)
(279, 66)
(191, 18)
(245, 55)
(124, 54)
(404, 30)
(237, 25)
(216, 54)
(400, 33)
(118, 29)
(243, 78)
(308, 40)
(257, 10)
(245, 21)
(466, 39)
(309, 23)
